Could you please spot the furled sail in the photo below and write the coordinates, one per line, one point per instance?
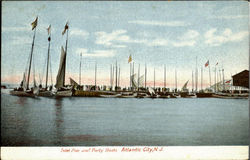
(134, 82)
(73, 83)
(24, 83)
(61, 71)
(184, 88)
(141, 81)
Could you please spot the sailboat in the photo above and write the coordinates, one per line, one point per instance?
(24, 89)
(62, 90)
(184, 91)
(47, 91)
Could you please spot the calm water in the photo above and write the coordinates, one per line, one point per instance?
(100, 121)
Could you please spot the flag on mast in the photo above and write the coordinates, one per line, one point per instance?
(34, 24)
(129, 59)
(216, 63)
(207, 63)
(49, 31)
(65, 28)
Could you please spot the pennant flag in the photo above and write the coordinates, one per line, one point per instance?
(34, 24)
(216, 63)
(207, 63)
(65, 28)
(228, 81)
(129, 59)
(49, 29)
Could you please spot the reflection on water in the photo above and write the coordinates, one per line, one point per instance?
(102, 122)
(59, 121)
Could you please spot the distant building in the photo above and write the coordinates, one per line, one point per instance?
(241, 79)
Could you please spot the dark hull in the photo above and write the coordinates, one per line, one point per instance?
(22, 93)
(204, 95)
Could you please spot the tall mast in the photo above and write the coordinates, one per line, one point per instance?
(47, 71)
(31, 53)
(223, 79)
(138, 83)
(209, 75)
(66, 47)
(164, 76)
(130, 72)
(192, 81)
(133, 71)
(80, 69)
(95, 75)
(116, 76)
(175, 80)
(154, 78)
(119, 76)
(215, 79)
(145, 76)
(196, 76)
(201, 77)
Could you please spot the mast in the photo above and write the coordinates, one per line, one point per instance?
(209, 76)
(164, 76)
(223, 79)
(130, 79)
(66, 28)
(119, 76)
(116, 76)
(133, 71)
(201, 77)
(138, 78)
(175, 80)
(192, 81)
(196, 76)
(95, 75)
(48, 60)
(215, 79)
(145, 77)
(111, 76)
(154, 78)
(31, 54)
(80, 69)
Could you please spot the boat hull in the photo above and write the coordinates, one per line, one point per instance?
(204, 95)
(46, 94)
(21, 93)
(66, 93)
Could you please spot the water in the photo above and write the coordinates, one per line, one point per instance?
(116, 122)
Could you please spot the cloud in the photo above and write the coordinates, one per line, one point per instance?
(161, 23)
(229, 17)
(78, 32)
(190, 34)
(184, 43)
(16, 29)
(97, 53)
(158, 42)
(215, 39)
(21, 40)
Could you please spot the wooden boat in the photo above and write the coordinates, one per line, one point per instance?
(231, 96)
(62, 90)
(204, 95)
(127, 95)
(22, 93)
(110, 95)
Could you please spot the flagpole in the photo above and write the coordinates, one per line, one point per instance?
(31, 53)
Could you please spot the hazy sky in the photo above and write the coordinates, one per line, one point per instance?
(155, 33)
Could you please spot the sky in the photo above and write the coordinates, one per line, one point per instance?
(153, 33)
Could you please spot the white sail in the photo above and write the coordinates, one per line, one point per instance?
(61, 71)
(151, 90)
(184, 88)
(141, 81)
(73, 83)
(24, 84)
(134, 82)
